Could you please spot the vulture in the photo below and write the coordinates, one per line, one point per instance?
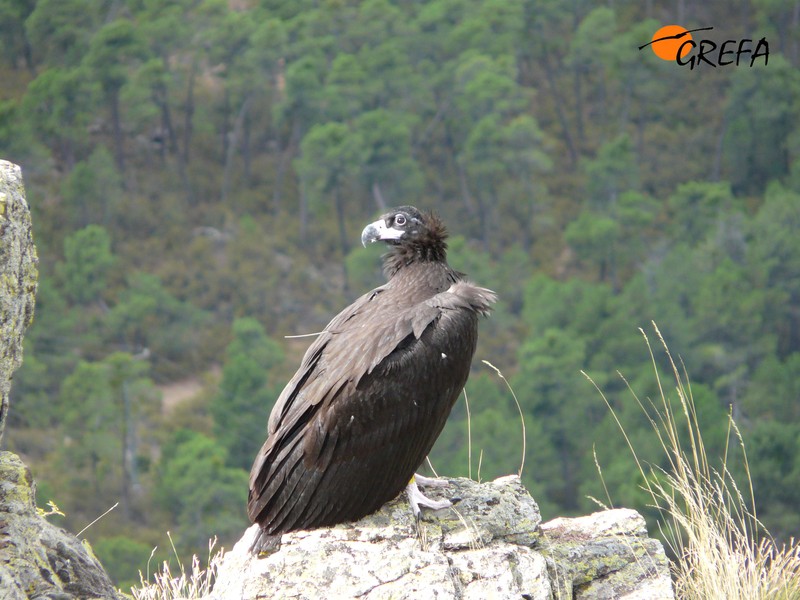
(373, 391)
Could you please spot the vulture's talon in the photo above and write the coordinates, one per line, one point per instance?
(418, 500)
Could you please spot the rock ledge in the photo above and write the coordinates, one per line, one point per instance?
(492, 545)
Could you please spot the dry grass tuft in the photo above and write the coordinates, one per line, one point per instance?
(186, 586)
(723, 549)
(521, 416)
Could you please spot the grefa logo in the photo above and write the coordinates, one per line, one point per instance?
(675, 43)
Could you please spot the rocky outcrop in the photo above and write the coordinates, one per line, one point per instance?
(18, 277)
(492, 545)
(37, 559)
(605, 555)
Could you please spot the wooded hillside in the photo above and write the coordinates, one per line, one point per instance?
(199, 172)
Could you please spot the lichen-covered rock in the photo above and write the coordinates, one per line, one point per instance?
(491, 545)
(18, 277)
(606, 555)
(38, 559)
(479, 549)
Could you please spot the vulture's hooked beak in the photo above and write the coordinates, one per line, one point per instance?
(378, 231)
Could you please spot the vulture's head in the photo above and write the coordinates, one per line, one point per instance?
(412, 236)
(405, 226)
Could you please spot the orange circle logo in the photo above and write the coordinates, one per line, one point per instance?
(668, 40)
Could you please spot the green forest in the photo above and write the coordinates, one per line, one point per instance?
(199, 172)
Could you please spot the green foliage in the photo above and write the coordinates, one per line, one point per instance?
(111, 49)
(772, 453)
(202, 495)
(13, 15)
(54, 105)
(696, 206)
(48, 359)
(771, 390)
(330, 153)
(104, 409)
(60, 31)
(613, 171)
(364, 267)
(122, 558)
(93, 414)
(773, 258)
(92, 190)
(247, 391)
(594, 239)
(147, 316)
(87, 261)
(303, 96)
(549, 384)
(763, 113)
(572, 304)
(388, 165)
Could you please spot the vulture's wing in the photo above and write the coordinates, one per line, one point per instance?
(370, 398)
(288, 409)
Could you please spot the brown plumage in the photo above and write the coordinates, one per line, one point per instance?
(374, 390)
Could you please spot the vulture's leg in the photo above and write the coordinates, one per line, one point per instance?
(265, 544)
(429, 481)
(418, 500)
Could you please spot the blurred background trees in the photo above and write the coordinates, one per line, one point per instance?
(199, 172)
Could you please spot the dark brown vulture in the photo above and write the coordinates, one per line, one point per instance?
(373, 391)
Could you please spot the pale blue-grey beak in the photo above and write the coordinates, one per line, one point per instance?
(378, 231)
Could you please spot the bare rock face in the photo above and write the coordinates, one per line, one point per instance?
(492, 545)
(18, 277)
(37, 559)
(605, 555)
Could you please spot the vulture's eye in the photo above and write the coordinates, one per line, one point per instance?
(400, 220)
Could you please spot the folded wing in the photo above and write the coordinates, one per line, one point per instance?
(370, 398)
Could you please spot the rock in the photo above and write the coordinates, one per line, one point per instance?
(491, 545)
(37, 559)
(18, 277)
(606, 555)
